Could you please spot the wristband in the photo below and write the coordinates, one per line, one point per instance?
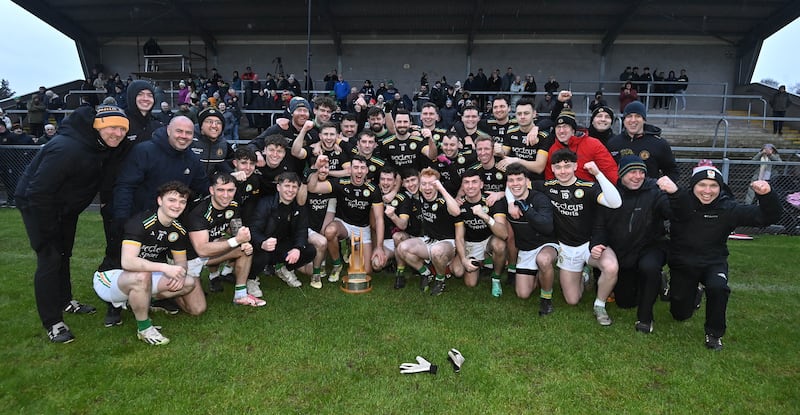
(233, 243)
(491, 222)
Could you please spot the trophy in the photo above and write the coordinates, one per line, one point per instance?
(357, 281)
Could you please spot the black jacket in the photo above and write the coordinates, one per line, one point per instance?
(699, 233)
(287, 223)
(636, 225)
(654, 150)
(64, 176)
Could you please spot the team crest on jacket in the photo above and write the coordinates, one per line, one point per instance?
(644, 154)
(219, 152)
(435, 207)
(249, 187)
(394, 203)
(412, 146)
(372, 167)
(499, 176)
(366, 192)
(172, 237)
(461, 160)
(579, 193)
(228, 214)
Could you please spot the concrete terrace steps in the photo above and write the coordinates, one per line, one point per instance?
(741, 133)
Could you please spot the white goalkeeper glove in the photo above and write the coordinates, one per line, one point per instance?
(455, 357)
(422, 366)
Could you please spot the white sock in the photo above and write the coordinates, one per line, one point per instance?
(599, 303)
(212, 275)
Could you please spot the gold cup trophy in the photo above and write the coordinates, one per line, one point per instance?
(357, 281)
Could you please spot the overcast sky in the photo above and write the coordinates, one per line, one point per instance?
(35, 54)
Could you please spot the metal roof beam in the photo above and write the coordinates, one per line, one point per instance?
(616, 28)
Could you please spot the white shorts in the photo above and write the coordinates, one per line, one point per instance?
(573, 258)
(388, 244)
(431, 242)
(195, 267)
(106, 287)
(526, 260)
(366, 236)
(477, 250)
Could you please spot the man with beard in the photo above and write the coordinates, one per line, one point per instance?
(358, 202)
(439, 213)
(481, 232)
(644, 140)
(58, 184)
(404, 149)
(300, 110)
(208, 143)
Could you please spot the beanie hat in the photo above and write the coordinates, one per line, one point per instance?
(110, 116)
(567, 117)
(298, 102)
(210, 112)
(635, 107)
(706, 172)
(598, 110)
(631, 162)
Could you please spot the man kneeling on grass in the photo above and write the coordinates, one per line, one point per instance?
(149, 239)
(280, 233)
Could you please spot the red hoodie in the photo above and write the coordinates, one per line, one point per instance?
(588, 149)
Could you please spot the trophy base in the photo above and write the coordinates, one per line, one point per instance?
(356, 284)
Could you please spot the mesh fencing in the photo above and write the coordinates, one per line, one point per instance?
(785, 180)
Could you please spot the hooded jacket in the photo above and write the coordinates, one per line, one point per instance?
(140, 129)
(64, 176)
(148, 166)
(654, 150)
(588, 149)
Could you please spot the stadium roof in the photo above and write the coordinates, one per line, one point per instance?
(742, 23)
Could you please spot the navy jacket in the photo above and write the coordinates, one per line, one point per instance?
(148, 166)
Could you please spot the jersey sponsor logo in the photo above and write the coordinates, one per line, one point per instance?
(567, 209)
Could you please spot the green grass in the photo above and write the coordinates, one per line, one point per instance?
(323, 351)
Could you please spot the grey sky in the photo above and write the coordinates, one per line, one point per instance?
(35, 54)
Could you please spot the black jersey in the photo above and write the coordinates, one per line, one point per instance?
(247, 195)
(451, 169)
(336, 159)
(374, 165)
(574, 210)
(268, 174)
(475, 229)
(494, 180)
(535, 227)
(495, 130)
(354, 203)
(402, 206)
(515, 143)
(317, 205)
(404, 153)
(216, 221)
(462, 135)
(156, 242)
(437, 223)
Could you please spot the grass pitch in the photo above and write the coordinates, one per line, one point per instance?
(323, 351)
